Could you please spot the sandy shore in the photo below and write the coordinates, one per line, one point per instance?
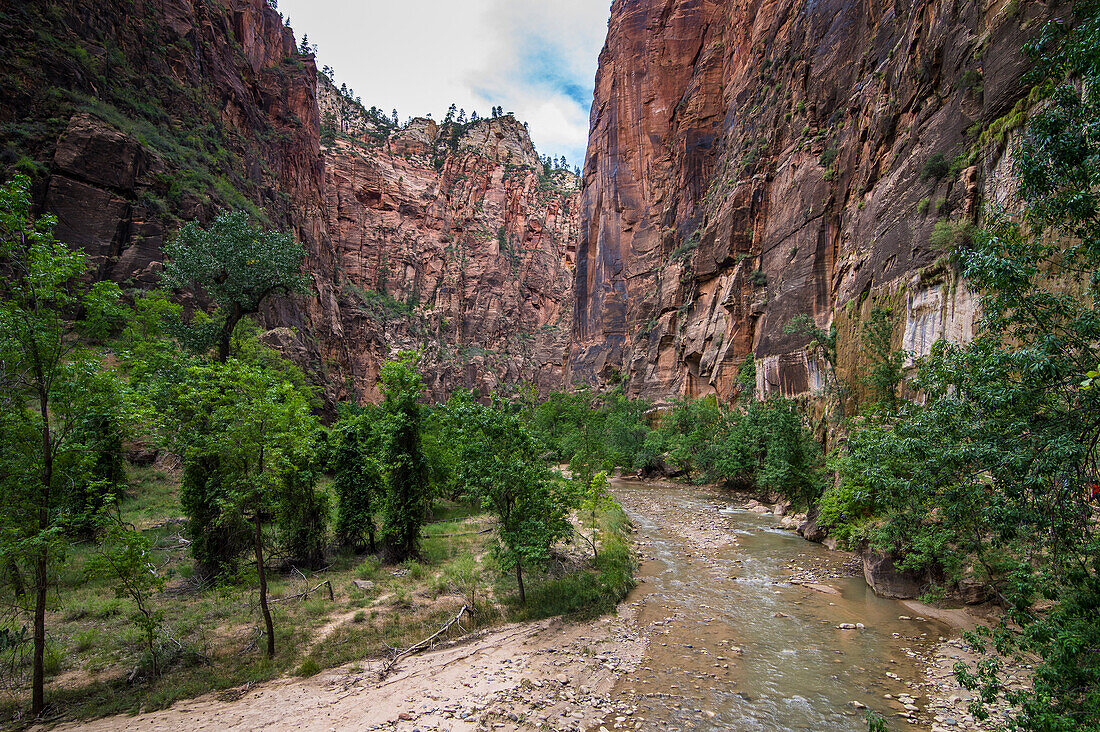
(519, 677)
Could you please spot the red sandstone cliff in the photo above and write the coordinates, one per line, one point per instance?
(134, 117)
(454, 241)
(749, 162)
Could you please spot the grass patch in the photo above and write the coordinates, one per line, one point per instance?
(216, 643)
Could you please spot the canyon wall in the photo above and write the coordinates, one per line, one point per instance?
(752, 162)
(749, 163)
(453, 240)
(133, 117)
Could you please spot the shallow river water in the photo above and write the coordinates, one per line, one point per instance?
(734, 645)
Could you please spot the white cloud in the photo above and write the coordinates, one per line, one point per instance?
(533, 57)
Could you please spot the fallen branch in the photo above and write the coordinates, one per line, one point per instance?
(427, 642)
(461, 533)
(326, 583)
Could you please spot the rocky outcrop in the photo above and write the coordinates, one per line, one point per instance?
(886, 579)
(454, 241)
(753, 162)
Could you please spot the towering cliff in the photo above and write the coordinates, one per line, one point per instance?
(752, 162)
(451, 239)
(132, 117)
(748, 163)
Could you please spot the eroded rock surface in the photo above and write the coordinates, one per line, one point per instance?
(452, 240)
(753, 162)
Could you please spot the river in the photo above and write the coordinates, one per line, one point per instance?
(735, 645)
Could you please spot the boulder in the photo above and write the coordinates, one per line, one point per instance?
(141, 453)
(809, 530)
(886, 579)
(93, 151)
(972, 592)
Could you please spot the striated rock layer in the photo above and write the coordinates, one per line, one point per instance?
(752, 162)
(748, 163)
(454, 241)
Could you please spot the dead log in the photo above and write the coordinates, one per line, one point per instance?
(326, 583)
(426, 643)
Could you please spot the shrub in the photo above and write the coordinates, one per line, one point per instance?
(948, 234)
(309, 667)
(935, 167)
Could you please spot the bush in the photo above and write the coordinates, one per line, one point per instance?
(309, 667)
(935, 167)
(303, 515)
(592, 592)
(948, 235)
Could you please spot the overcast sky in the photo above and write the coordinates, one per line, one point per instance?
(536, 58)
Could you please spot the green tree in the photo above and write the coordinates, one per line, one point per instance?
(124, 558)
(237, 265)
(624, 430)
(407, 492)
(687, 434)
(596, 498)
(358, 482)
(302, 513)
(501, 466)
(56, 402)
(250, 437)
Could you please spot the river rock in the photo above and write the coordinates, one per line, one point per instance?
(972, 592)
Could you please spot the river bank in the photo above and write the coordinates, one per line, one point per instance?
(925, 647)
(735, 624)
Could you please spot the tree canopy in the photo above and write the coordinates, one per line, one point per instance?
(236, 264)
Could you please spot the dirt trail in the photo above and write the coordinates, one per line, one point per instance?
(519, 677)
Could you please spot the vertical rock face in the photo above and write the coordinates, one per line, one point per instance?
(134, 117)
(451, 240)
(748, 163)
(752, 162)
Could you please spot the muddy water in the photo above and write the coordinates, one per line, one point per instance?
(734, 645)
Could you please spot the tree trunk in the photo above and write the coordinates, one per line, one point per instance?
(41, 576)
(370, 536)
(151, 639)
(16, 576)
(519, 581)
(41, 584)
(259, 546)
(231, 321)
